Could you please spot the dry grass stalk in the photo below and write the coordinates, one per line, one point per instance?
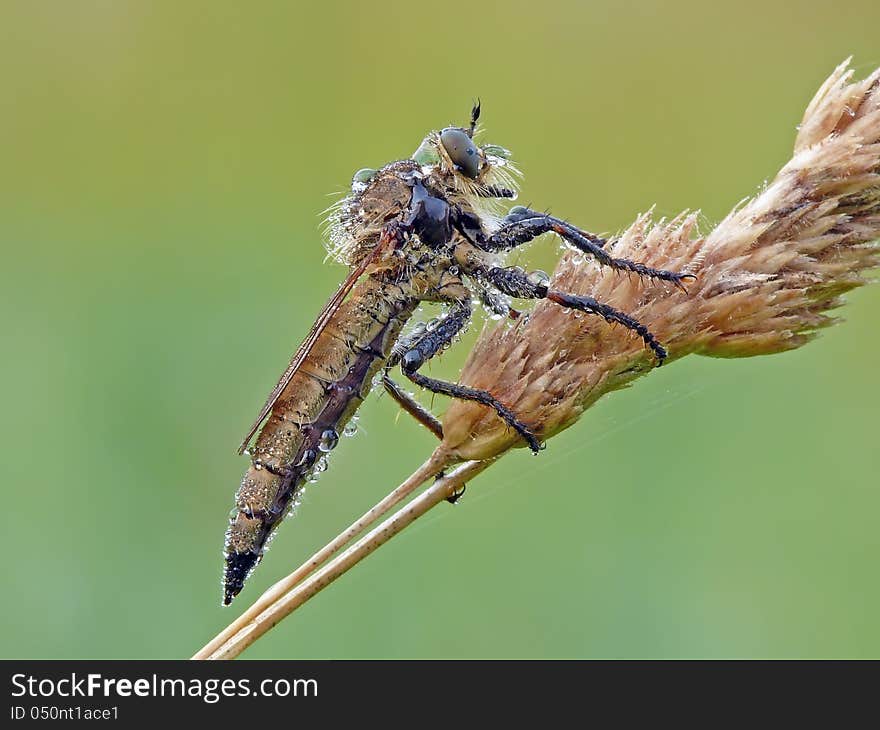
(767, 276)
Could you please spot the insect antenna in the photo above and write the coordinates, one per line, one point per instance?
(475, 116)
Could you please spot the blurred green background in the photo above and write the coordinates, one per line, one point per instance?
(163, 168)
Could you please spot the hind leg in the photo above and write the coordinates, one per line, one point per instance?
(429, 344)
(412, 406)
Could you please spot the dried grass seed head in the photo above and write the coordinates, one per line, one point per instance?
(767, 276)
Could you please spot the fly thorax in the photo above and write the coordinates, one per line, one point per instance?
(430, 216)
(376, 197)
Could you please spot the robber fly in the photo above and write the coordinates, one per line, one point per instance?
(417, 230)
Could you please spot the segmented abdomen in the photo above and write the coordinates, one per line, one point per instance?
(306, 419)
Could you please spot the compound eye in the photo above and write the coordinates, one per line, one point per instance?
(461, 150)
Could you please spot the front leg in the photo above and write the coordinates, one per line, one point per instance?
(405, 400)
(523, 225)
(517, 283)
(429, 344)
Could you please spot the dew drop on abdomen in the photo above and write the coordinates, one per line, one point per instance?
(328, 440)
(351, 427)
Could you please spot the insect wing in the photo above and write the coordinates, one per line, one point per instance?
(306, 347)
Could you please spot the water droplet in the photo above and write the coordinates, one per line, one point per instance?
(275, 508)
(453, 270)
(351, 427)
(328, 440)
(308, 458)
(538, 278)
(294, 503)
(364, 175)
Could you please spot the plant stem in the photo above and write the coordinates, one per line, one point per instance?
(275, 604)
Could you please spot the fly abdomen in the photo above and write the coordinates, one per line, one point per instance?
(305, 423)
(283, 459)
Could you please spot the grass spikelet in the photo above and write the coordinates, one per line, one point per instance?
(767, 277)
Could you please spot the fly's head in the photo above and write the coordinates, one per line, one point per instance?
(451, 163)
(454, 159)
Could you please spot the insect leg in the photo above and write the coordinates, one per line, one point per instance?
(409, 404)
(610, 314)
(457, 495)
(412, 406)
(517, 283)
(436, 340)
(523, 225)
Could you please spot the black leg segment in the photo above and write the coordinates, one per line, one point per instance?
(610, 314)
(523, 225)
(454, 390)
(412, 406)
(517, 283)
(432, 342)
(413, 352)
